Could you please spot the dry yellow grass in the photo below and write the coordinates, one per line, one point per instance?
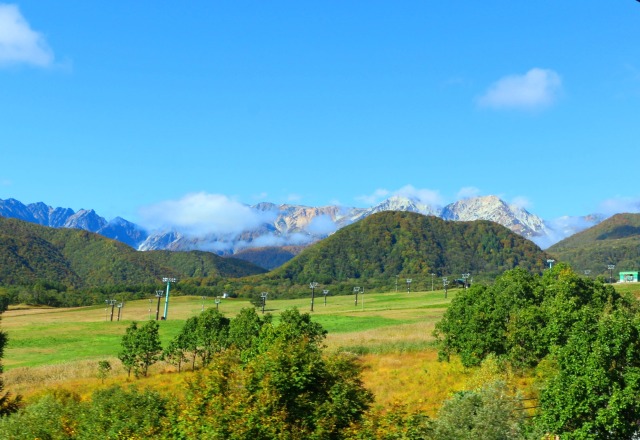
(414, 379)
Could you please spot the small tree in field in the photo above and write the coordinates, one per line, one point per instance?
(103, 370)
(127, 354)
(140, 347)
(149, 347)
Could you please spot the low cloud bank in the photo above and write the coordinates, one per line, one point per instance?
(203, 214)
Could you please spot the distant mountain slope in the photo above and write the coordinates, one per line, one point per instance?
(268, 257)
(77, 258)
(394, 243)
(615, 240)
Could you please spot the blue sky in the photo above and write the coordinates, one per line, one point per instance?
(126, 107)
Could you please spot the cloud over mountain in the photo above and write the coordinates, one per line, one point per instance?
(201, 214)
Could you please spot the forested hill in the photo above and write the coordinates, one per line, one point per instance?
(30, 253)
(403, 243)
(613, 241)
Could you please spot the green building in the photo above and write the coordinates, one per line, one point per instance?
(628, 277)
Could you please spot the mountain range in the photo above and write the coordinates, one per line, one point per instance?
(294, 225)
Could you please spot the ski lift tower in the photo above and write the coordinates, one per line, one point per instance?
(166, 298)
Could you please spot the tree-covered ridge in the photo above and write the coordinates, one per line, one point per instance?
(404, 243)
(75, 258)
(614, 241)
(268, 257)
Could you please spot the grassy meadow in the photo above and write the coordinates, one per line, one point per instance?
(391, 333)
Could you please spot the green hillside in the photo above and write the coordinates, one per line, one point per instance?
(74, 258)
(613, 241)
(403, 243)
(268, 257)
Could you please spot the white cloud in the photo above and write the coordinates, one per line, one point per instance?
(19, 44)
(260, 197)
(294, 198)
(618, 205)
(372, 199)
(468, 192)
(522, 202)
(200, 214)
(321, 225)
(426, 196)
(535, 89)
(277, 240)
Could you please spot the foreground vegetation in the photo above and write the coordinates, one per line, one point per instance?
(562, 345)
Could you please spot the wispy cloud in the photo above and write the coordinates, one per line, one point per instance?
(293, 198)
(617, 205)
(261, 197)
(522, 202)
(426, 196)
(536, 89)
(202, 214)
(468, 192)
(376, 197)
(19, 44)
(321, 225)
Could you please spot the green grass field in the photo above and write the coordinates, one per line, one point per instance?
(50, 336)
(51, 348)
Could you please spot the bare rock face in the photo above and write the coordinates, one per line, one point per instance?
(493, 209)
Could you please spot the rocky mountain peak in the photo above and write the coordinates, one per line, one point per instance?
(494, 209)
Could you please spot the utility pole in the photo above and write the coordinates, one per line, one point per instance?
(432, 275)
(466, 276)
(313, 286)
(112, 303)
(159, 294)
(611, 267)
(120, 306)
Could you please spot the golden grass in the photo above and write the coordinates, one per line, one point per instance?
(415, 334)
(414, 379)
